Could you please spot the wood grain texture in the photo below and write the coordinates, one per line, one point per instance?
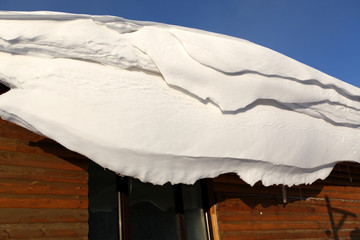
(296, 207)
(11, 130)
(42, 147)
(39, 230)
(336, 192)
(42, 174)
(59, 238)
(343, 234)
(36, 160)
(237, 216)
(328, 209)
(43, 188)
(21, 186)
(43, 201)
(28, 215)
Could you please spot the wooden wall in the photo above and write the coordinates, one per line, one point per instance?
(328, 209)
(43, 187)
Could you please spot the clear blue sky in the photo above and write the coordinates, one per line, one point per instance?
(324, 34)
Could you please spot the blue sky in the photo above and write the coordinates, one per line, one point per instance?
(324, 34)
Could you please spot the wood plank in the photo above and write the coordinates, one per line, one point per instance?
(258, 212)
(6, 122)
(43, 201)
(41, 187)
(42, 147)
(61, 238)
(289, 234)
(345, 173)
(276, 205)
(328, 187)
(16, 215)
(343, 180)
(40, 230)
(281, 225)
(339, 192)
(336, 181)
(237, 216)
(43, 174)
(14, 131)
(266, 200)
(35, 160)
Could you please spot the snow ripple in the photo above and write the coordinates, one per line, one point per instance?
(166, 103)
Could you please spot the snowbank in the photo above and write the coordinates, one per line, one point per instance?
(165, 103)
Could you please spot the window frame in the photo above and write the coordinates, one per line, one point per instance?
(123, 186)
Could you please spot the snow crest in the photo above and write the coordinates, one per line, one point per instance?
(170, 104)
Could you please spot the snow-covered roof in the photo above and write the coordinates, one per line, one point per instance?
(166, 103)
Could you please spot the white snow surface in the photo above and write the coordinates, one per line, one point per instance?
(165, 103)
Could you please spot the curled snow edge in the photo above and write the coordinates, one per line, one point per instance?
(170, 104)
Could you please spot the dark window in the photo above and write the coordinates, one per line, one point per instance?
(126, 208)
(194, 211)
(163, 212)
(103, 204)
(152, 211)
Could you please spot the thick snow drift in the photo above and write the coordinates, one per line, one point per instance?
(165, 103)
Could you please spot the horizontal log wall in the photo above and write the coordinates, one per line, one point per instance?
(328, 209)
(43, 187)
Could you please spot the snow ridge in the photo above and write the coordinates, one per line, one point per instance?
(166, 103)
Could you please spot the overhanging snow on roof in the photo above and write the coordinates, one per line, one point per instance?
(166, 103)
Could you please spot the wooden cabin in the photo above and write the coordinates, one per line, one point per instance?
(48, 192)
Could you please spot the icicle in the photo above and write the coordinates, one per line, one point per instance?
(300, 194)
(349, 172)
(284, 194)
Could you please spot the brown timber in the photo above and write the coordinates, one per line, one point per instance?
(43, 187)
(326, 209)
